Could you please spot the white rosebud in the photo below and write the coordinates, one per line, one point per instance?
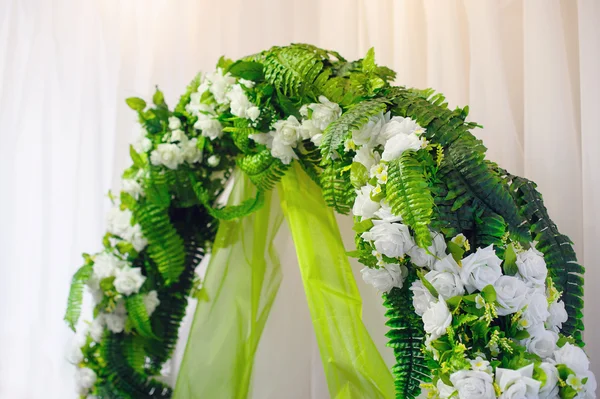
(364, 206)
(385, 278)
(368, 133)
(395, 146)
(133, 188)
(473, 384)
(550, 388)
(447, 283)
(536, 311)
(97, 328)
(85, 378)
(288, 130)
(511, 294)
(532, 267)
(253, 113)
(151, 302)
(324, 112)
(573, 357)
(541, 342)
(213, 160)
(558, 315)
(168, 155)
(210, 128)
(422, 298)
(367, 157)
(517, 384)
(437, 319)
(129, 280)
(390, 239)
(480, 269)
(422, 258)
(174, 123)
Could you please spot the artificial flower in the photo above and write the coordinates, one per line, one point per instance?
(129, 280)
(480, 269)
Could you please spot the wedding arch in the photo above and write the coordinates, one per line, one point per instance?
(484, 295)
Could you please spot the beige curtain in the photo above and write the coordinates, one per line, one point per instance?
(528, 70)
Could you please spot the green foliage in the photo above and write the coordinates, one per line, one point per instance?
(138, 315)
(409, 196)
(249, 70)
(407, 336)
(338, 191)
(566, 272)
(262, 169)
(81, 276)
(136, 104)
(240, 133)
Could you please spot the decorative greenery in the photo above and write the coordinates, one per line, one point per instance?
(451, 239)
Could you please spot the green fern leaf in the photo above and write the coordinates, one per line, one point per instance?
(338, 191)
(81, 276)
(408, 194)
(263, 169)
(138, 315)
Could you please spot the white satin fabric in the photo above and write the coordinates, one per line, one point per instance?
(528, 70)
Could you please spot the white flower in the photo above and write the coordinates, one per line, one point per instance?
(368, 133)
(133, 188)
(537, 309)
(174, 123)
(421, 257)
(220, 84)
(422, 298)
(558, 315)
(97, 328)
(129, 280)
(85, 378)
(106, 265)
(151, 302)
(142, 143)
(480, 364)
(444, 391)
(395, 146)
(473, 384)
(380, 171)
(75, 355)
(532, 267)
(550, 388)
(253, 113)
(541, 342)
(309, 130)
(288, 130)
(119, 221)
(168, 155)
(573, 357)
(283, 151)
(367, 157)
(385, 213)
(190, 151)
(210, 128)
(437, 319)
(239, 102)
(390, 239)
(213, 160)
(317, 139)
(480, 269)
(511, 294)
(589, 388)
(517, 384)
(324, 112)
(399, 125)
(446, 283)
(248, 83)
(115, 321)
(277, 142)
(136, 238)
(364, 206)
(386, 277)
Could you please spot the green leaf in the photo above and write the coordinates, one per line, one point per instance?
(81, 276)
(158, 98)
(361, 227)
(136, 158)
(368, 63)
(521, 334)
(510, 261)
(136, 310)
(456, 251)
(358, 175)
(489, 293)
(136, 104)
(337, 188)
(427, 284)
(248, 70)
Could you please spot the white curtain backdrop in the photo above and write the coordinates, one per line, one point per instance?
(528, 70)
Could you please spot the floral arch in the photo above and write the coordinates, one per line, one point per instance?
(484, 294)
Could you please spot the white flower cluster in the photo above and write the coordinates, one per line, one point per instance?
(177, 149)
(119, 224)
(289, 132)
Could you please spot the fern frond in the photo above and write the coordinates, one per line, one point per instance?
(406, 337)
(309, 160)
(138, 315)
(263, 169)
(240, 133)
(490, 229)
(81, 276)
(165, 246)
(408, 194)
(338, 191)
(133, 348)
(448, 221)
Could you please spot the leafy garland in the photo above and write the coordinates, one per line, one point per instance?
(475, 309)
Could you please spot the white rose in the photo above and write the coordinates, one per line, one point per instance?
(136, 238)
(106, 265)
(444, 391)
(210, 128)
(75, 355)
(573, 357)
(367, 134)
(589, 389)
(308, 130)
(517, 384)
(253, 113)
(473, 384)
(480, 269)
(558, 315)
(97, 328)
(447, 284)
(422, 298)
(385, 213)
(220, 84)
(421, 257)
(511, 294)
(399, 125)
(550, 388)
(390, 239)
(190, 152)
(537, 309)
(324, 112)
(238, 101)
(133, 188)
(151, 302)
(532, 267)
(142, 143)
(437, 319)
(115, 321)
(288, 130)
(85, 377)
(129, 280)
(168, 155)
(118, 221)
(174, 123)
(385, 278)
(282, 151)
(541, 342)
(363, 205)
(395, 146)
(367, 157)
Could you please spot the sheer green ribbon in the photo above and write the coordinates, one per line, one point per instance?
(353, 366)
